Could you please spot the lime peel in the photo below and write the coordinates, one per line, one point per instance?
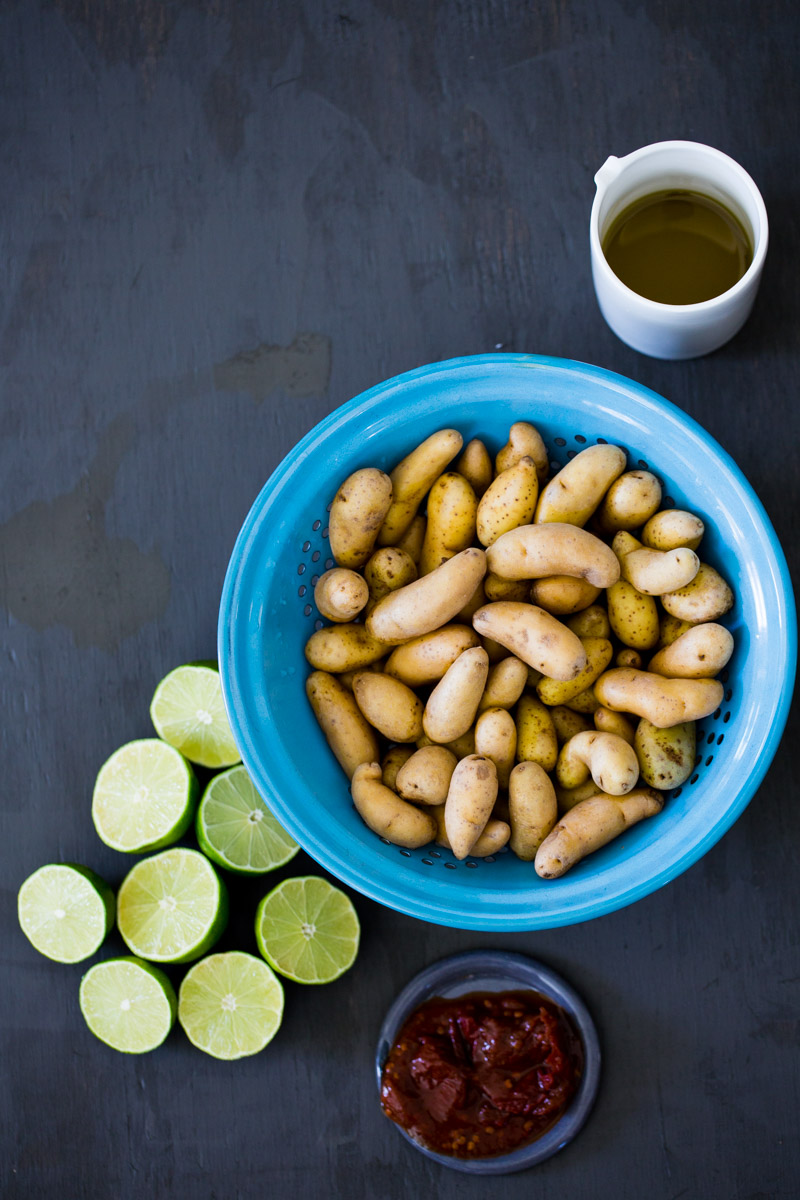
(236, 829)
(308, 930)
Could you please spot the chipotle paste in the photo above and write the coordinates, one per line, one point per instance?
(482, 1074)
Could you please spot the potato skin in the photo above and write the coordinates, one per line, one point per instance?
(536, 734)
(699, 653)
(469, 804)
(598, 653)
(389, 706)
(508, 502)
(413, 477)
(563, 595)
(607, 721)
(671, 528)
(346, 647)
(429, 602)
(592, 824)
(554, 548)
(633, 616)
(388, 569)
(577, 490)
(340, 594)
(475, 465)
(425, 659)
(534, 636)
(567, 723)
(412, 539)
(654, 572)
(532, 808)
(425, 777)
(524, 440)
(610, 760)
(386, 814)
(348, 734)
(496, 833)
(496, 588)
(628, 657)
(505, 683)
(392, 761)
(707, 598)
(664, 702)
(592, 622)
(452, 509)
(453, 703)
(630, 501)
(666, 756)
(357, 513)
(496, 738)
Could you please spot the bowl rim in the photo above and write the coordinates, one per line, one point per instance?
(617, 895)
(512, 971)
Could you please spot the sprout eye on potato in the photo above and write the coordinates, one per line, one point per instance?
(504, 649)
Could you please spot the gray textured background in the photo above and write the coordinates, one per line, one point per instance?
(218, 221)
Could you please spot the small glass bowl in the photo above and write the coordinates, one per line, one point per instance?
(500, 971)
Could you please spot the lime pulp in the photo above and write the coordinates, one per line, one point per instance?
(230, 1005)
(172, 907)
(188, 712)
(308, 930)
(128, 1004)
(236, 829)
(65, 911)
(144, 797)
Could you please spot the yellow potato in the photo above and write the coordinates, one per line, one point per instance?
(387, 570)
(496, 738)
(496, 588)
(469, 804)
(357, 513)
(476, 466)
(430, 602)
(340, 594)
(592, 622)
(425, 777)
(347, 732)
(452, 509)
(533, 635)
(584, 702)
(453, 703)
(627, 657)
(598, 653)
(412, 479)
(495, 834)
(592, 824)
(425, 659)
(412, 539)
(505, 684)
(476, 601)
(391, 763)
(613, 722)
(495, 650)
(536, 734)
(562, 595)
(633, 616)
(567, 723)
(664, 702)
(707, 598)
(532, 808)
(672, 528)
(524, 441)
(386, 814)
(462, 746)
(666, 756)
(699, 653)
(610, 760)
(389, 706)
(577, 490)
(508, 502)
(670, 629)
(654, 572)
(629, 502)
(568, 797)
(343, 648)
(537, 551)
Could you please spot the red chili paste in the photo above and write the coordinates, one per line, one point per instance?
(482, 1074)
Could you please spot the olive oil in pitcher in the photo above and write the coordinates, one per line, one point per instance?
(677, 247)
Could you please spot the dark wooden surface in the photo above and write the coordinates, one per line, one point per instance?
(219, 220)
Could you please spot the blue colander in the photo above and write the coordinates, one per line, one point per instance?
(268, 613)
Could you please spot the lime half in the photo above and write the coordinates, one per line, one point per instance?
(172, 907)
(65, 911)
(128, 1004)
(236, 829)
(308, 930)
(144, 797)
(188, 712)
(230, 1005)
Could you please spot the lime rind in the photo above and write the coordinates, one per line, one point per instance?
(236, 829)
(230, 1005)
(128, 1004)
(188, 712)
(144, 797)
(65, 911)
(308, 930)
(172, 907)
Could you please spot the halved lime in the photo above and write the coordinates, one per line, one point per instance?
(236, 829)
(65, 911)
(308, 930)
(128, 1004)
(144, 797)
(172, 907)
(230, 1005)
(188, 712)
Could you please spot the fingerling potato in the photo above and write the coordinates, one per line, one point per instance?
(412, 479)
(630, 501)
(664, 702)
(357, 513)
(534, 636)
(575, 492)
(425, 777)
(348, 734)
(475, 465)
(389, 706)
(453, 703)
(672, 528)
(452, 509)
(425, 659)
(524, 441)
(508, 502)
(707, 598)
(429, 602)
(666, 756)
(340, 594)
(699, 653)
(346, 647)
(496, 738)
(536, 734)
(386, 814)
(532, 808)
(469, 804)
(538, 551)
(592, 824)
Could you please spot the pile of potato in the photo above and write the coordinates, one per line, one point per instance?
(533, 655)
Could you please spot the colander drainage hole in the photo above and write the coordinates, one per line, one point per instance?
(560, 441)
(720, 739)
(489, 858)
(301, 591)
(729, 695)
(301, 570)
(318, 624)
(726, 718)
(709, 760)
(676, 793)
(325, 532)
(328, 564)
(306, 547)
(406, 853)
(428, 862)
(450, 866)
(580, 438)
(643, 465)
(315, 556)
(668, 502)
(314, 580)
(571, 453)
(307, 611)
(472, 865)
(694, 778)
(710, 737)
(316, 526)
(436, 854)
